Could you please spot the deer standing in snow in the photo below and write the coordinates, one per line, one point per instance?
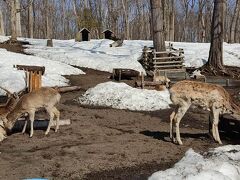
(45, 97)
(208, 96)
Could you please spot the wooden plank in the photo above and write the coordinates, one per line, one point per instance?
(168, 62)
(167, 66)
(168, 52)
(166, 58)
(30, 68)
(30, 82)
(172, 70)
(40, 80)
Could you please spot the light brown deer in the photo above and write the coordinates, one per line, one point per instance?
(45, 97)
(5, 109)
(208, 96)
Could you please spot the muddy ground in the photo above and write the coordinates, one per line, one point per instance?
(103, 143)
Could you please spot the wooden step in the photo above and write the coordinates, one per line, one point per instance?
(167, 62)
(166, 58)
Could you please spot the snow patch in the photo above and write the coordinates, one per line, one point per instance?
(123, 96)
(221, 163)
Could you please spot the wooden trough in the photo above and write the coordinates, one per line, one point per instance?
(33, 76)
(120, 73)
(229, 126)
(146, 84)
(38, 124)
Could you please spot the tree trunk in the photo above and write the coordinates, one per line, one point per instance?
(157, 25)
(171, 23)
(13, 21)
(30, 20)
(215, 59)
(201, 22)
(2, 31)
(63, 19)
(18, 19)
(47, 23)
(234, 22)
(127, 36)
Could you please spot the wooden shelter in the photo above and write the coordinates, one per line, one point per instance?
(33, 76)
(83, 35)
(107, 34)
(167, 63)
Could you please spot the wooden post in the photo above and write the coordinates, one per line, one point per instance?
(227, 82)
(154, 57)
(142, 80)
(30, 81)
(120, 74)
(113, 74)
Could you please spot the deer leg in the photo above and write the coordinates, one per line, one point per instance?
(180, 113)
(51, 115)
(213, 126)
(24, 127)
(31, 117)
(57, 114)
(171, 125)
(216, 113)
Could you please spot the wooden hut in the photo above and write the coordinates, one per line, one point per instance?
(83, 35)
(33, 76)
(107, 34)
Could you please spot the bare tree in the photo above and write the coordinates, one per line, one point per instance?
(234, 22)
(18, 19)
(201, 21)
(47, 22)
(215, 60)
(2, 31)
(30, 19)
(125, 6)
(158, 25)
(171, 20)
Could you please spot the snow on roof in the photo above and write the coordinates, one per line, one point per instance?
(122, 96)
(222, 163)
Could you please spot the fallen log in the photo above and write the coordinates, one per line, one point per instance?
(38, 124)
(117, 43)
(67, 88)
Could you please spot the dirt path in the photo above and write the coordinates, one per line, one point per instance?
(102, 143)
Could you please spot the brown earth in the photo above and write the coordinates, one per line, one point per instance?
(103, 143)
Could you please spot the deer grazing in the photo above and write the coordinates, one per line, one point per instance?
(5, 109)
(208, 96)
(45, 97)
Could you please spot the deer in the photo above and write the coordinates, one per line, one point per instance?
(211, 97)
(5, 109)
(29, 103)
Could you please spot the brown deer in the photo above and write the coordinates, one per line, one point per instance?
(208, 96)
(5, 109)
(45, 97)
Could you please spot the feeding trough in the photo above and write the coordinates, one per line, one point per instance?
(33, 76)
(119, 74)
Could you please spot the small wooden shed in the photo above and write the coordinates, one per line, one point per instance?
(83, 35)
(33, 76)
(107, 34)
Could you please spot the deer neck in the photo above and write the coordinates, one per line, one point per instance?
(12, 117)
